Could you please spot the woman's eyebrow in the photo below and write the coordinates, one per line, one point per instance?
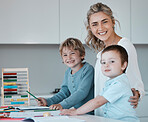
(104, 19)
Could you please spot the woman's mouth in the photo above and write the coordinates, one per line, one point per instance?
(102, 33)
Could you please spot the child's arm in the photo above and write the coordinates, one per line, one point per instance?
(87, 107)
(58, 97)
(61, 95)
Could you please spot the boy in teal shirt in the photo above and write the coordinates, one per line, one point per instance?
(78, 84)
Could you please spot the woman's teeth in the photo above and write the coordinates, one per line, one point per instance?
(102, 33)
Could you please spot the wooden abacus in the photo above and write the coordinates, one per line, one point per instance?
(15, 83)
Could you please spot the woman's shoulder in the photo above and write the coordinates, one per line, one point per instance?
(127, 44)
(125, 41)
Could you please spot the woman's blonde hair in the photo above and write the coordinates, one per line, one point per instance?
(74, 44)
(91, 40)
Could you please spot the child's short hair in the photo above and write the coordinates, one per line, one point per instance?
(74, 44)
(121, 50)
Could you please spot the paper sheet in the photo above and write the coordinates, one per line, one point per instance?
(57, 119)
(32, 107)
(54, 118)
(32, 114)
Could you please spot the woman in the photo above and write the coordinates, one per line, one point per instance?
(101, 34)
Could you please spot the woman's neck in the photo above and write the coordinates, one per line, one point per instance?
(113, 40)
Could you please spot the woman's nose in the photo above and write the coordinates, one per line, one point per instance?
(100, 27)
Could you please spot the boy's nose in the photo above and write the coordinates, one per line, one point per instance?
(107, 64)
(69, 56)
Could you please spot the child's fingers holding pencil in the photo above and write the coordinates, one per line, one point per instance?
(41, 101)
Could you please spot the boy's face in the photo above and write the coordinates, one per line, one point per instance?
(111, 64)
(71, 57)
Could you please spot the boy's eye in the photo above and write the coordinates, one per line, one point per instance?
(72, 53)
(103, 62)
(112, 61)
(64, 55)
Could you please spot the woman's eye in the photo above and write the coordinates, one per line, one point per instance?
(105, 21)
(94, 24)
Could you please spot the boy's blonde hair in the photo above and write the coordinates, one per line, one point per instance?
(74, 44)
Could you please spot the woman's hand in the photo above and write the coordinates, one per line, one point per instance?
(135, 98)
(41, 101)
(71, 112)
(55, 107)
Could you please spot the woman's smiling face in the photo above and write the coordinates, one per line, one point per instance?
(101, 26)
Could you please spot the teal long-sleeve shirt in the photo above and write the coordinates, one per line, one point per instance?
(76, 89)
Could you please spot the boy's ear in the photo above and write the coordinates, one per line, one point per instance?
(82, 57)
(124, 66)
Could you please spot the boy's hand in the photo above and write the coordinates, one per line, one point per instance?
(41, 101)
(55, 107)
(135, 98)
(71, 112)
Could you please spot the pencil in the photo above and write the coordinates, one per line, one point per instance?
(32, 95)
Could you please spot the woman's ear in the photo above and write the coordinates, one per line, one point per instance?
(124, 66)
(113, 21)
